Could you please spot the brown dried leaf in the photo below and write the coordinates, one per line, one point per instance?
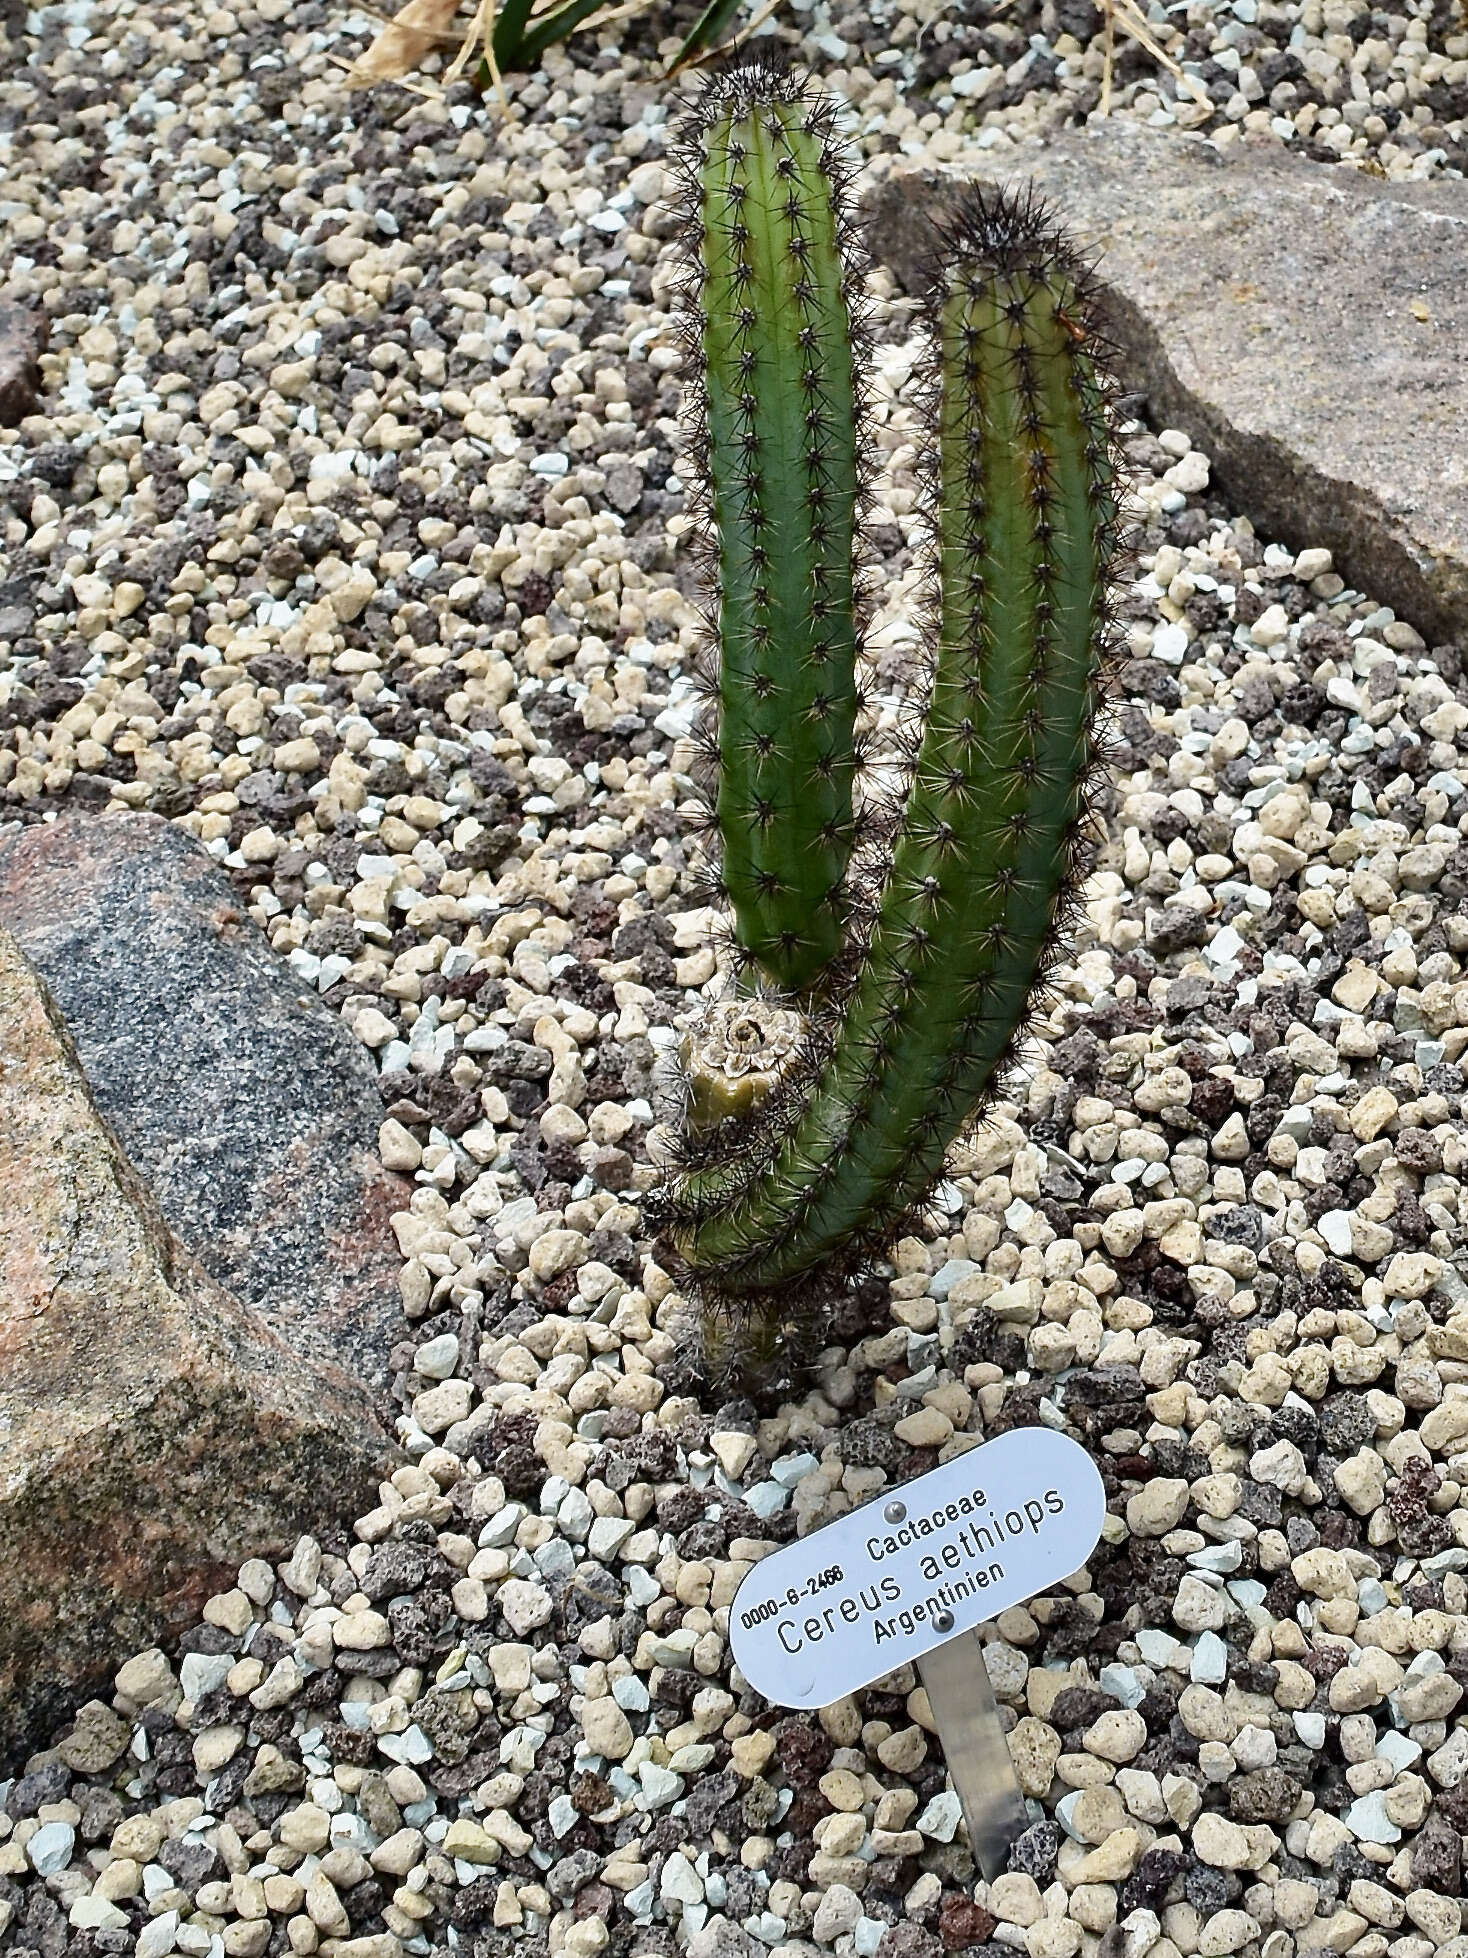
(413, 32)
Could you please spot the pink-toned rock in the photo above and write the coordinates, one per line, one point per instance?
(153, 1431)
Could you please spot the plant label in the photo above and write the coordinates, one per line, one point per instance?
(916, 1567)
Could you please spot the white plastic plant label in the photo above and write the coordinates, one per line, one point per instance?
(916, 1567)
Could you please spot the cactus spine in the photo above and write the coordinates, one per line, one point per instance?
(1023, 502)
(771, 302)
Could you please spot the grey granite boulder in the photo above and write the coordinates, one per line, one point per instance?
(154, 1432)
(1307, 325)
(243, 1102)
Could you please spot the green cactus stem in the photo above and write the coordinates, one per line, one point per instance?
(771, 284)
(1024, 499)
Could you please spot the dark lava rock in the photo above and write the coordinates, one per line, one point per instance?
(908, 1941)
(189, 1863)
(1437, 1857)
(396, 1568)
(1148, 1885)
(1207, 1889)
(1266, 1795)
(1079, 1706)
(1034, 1853)
(47, 1783)
(244, 1103)
(962, 1923)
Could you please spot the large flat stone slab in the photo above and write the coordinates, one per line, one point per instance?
(153, 1431)
(246, 1105)
(1307, 325)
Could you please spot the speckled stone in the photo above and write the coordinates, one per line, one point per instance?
(131, 1386)
(243, 1102)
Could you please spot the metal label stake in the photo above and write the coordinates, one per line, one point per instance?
(907, 1583)
(958, 1689)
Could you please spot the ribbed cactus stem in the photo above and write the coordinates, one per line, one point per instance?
(780, 412)
(1026, 524)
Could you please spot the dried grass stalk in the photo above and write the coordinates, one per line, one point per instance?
(1128, 16)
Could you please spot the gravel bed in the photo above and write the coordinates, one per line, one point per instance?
(1383, 89)
(350, 543)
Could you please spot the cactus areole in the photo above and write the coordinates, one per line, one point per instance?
(1023, 501)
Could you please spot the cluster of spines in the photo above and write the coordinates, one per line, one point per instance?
(772, 317)
(1020, 490)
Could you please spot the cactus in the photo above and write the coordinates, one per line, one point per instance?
(772, 307)
(945, 962)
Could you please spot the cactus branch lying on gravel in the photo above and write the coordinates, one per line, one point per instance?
(1023, 501)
